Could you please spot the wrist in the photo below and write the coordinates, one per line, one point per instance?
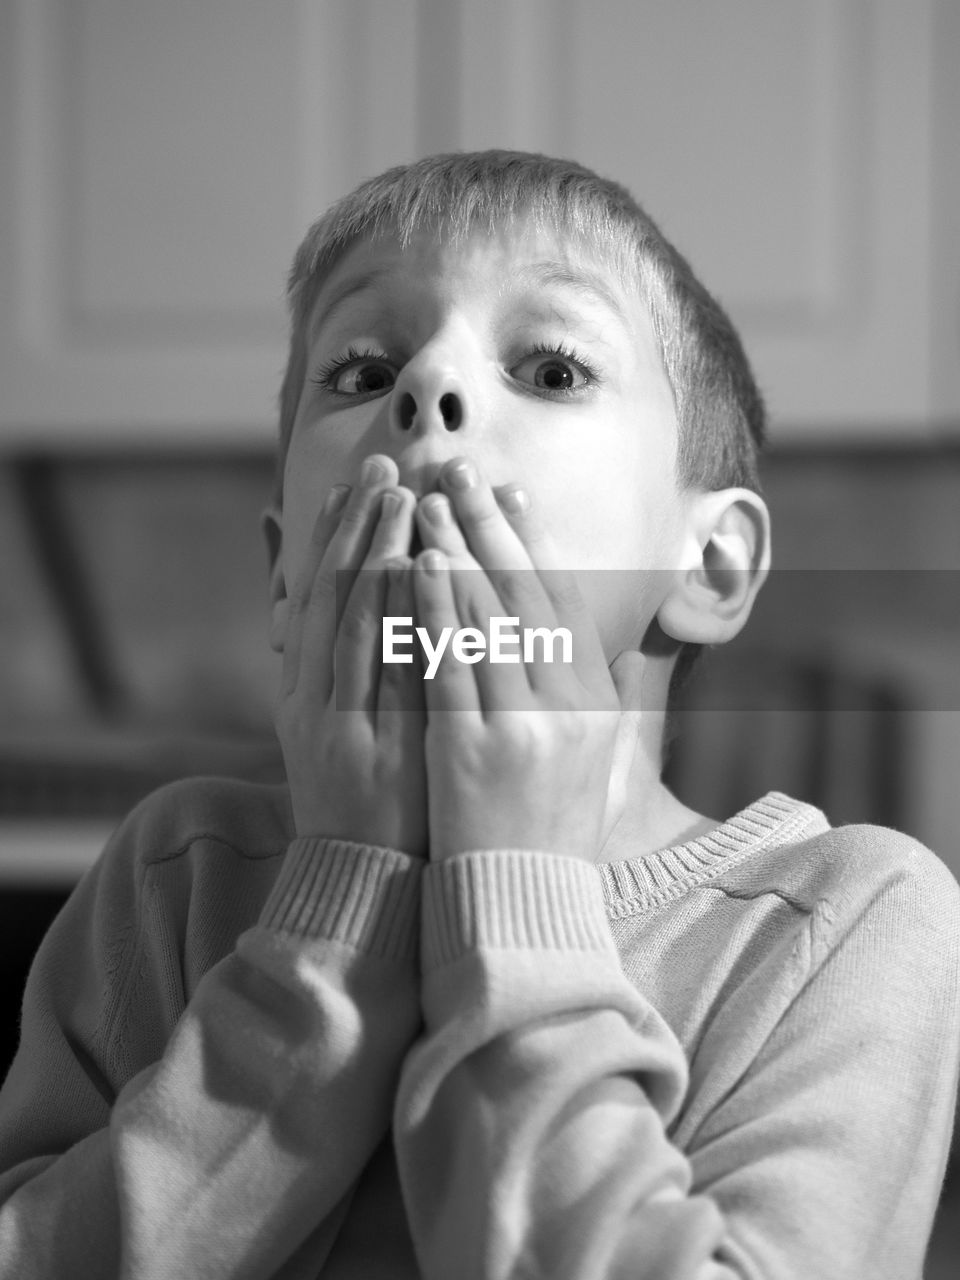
(362, 895)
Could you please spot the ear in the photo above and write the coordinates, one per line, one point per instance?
(271, 522)
(725, 562)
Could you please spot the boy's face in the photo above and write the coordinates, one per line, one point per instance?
(553, 380)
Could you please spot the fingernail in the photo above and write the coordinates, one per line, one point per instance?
(389, 505)
(433, 561)
(336, 498)
(372, 471)
(516, 501)
(436, 508)
(461, 475)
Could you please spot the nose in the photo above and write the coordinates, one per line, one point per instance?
(425, 432)
(448, 411)
(430, 397)
(435, 408)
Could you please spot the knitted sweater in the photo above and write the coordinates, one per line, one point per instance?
(249, 1055)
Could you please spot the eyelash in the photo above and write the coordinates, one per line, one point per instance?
(326, 375)
(565, 352)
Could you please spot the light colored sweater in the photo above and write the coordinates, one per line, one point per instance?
(249, 1055)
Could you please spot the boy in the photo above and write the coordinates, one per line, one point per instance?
(477, 996)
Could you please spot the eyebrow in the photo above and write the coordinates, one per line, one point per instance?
(348, 289)
(541, 274)
(591, 286)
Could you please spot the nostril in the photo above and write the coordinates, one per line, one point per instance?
(406, 411)
(450, 411)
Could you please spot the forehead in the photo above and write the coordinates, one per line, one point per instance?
(518, 263)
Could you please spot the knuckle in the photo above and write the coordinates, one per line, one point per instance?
(324, 589)
(355, 623)
(296, 604)
(480, 514)
(311, 595)
(533, 536)
(484, 514)
(566, 707)
(355, 515)
(474, 613)
(397, 684)
(565, 592)
(516, 586)
(392, 676)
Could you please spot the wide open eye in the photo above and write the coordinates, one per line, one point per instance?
(556, 372)
(357, 374)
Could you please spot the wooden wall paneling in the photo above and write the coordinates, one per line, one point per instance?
(784, 148)
(163, 162)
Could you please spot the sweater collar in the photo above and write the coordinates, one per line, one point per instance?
(775, 819)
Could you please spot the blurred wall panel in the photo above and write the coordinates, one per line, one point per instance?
(163, 162)
(164, 159)
(793, 152)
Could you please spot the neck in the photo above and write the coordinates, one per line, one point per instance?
(653, 818)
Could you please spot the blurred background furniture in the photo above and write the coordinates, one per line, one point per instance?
(134, 651)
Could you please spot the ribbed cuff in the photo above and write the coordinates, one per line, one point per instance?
(511, 898)
(364, 896)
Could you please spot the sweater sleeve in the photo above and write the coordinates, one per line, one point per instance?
(533, 1120)
(234, 1153)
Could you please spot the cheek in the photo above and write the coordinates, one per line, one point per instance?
(295, 542)
(302, 499)
(607, 527)
(623, 603)
(314, 465)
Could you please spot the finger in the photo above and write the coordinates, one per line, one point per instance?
(481, 606)
(359, 633)
(448, 684)
(492, 541)
(438, 527)
(521, 560)
(345, 518)
(518, 588)
(495, 546)
(324, 588)
(503, 677)
(390, 539)
(562, 587)
(504, 535)
(358, 645)
(401, 710)
(323, 531)
(350, 544)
